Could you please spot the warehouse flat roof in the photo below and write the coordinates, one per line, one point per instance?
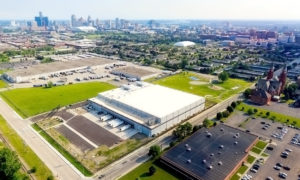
(140, 72)
(153, 99)
(58, 66)
(218, 151)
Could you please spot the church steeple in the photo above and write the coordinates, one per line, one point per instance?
(270, 73)
(282, 77)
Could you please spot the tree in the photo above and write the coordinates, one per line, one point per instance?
(223, 76)
(233, 105)
(225, 114)
(230, 109)
(9, 164)
(183, 130)
(250, 111)
(207, 123)
(247, 93)
(49, 84)
(154, 151)
(219, 116)
(183, 63)
(152, 170)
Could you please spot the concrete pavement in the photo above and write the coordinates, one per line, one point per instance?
(60, 168)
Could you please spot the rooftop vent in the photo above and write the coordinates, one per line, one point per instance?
(186, 145)
(221, 129)
(221, 146)
(208, 135)
(203, 161)
(235, 143)
(139, 83)
(219, 152)
(189, 161)
(209, 167)
(189, 149)
(220, 163)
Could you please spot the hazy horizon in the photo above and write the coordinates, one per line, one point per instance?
(250, 10)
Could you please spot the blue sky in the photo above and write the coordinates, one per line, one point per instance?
(153, 9)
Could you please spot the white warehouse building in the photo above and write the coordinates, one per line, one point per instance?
(150, 109)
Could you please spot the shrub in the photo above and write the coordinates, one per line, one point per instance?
(152, 170)
(230, 109)
(50, 178)
(267, 113)
(233, 105)
(250, 111)
(219, 116)
(255, 110)
(154, 151)
(225, 114)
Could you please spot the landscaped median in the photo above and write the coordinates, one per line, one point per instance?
(32, 101)
(274, 116)
(62, 151)
(24, 151)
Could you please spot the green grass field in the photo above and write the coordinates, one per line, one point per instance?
(256, 150)
(214, 92)
(275, 116)
(242, 169)
(2, 84)
(250, 159)
(32, 101)
(261, 144)
(141, 172)
(24, 151)
(235, 177)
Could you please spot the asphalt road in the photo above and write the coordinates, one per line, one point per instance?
(60, 168)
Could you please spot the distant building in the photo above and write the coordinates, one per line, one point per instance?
(227, 43)
(84, 29)
(268, 88)
(184, 44)
(210, 154)
(41, 20)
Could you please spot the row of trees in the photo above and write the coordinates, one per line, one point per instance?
(228, 111)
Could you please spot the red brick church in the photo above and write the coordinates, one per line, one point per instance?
(269, 87)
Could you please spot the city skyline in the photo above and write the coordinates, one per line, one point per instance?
(145, 9)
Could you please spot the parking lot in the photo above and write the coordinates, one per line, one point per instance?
(258, 126)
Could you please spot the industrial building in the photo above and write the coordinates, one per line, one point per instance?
(210, 154)
(45, 70)
(134, 73)
(149, 109)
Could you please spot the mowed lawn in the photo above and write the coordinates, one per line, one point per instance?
(32, 101)
(24, 151)
(2, 84)
(215, 92)
(141, 172)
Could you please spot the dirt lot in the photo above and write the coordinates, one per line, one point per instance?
(74, 138)
(255, 126)
(93, 132)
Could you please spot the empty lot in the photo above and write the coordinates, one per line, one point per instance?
(74, 138)
(93, 132)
